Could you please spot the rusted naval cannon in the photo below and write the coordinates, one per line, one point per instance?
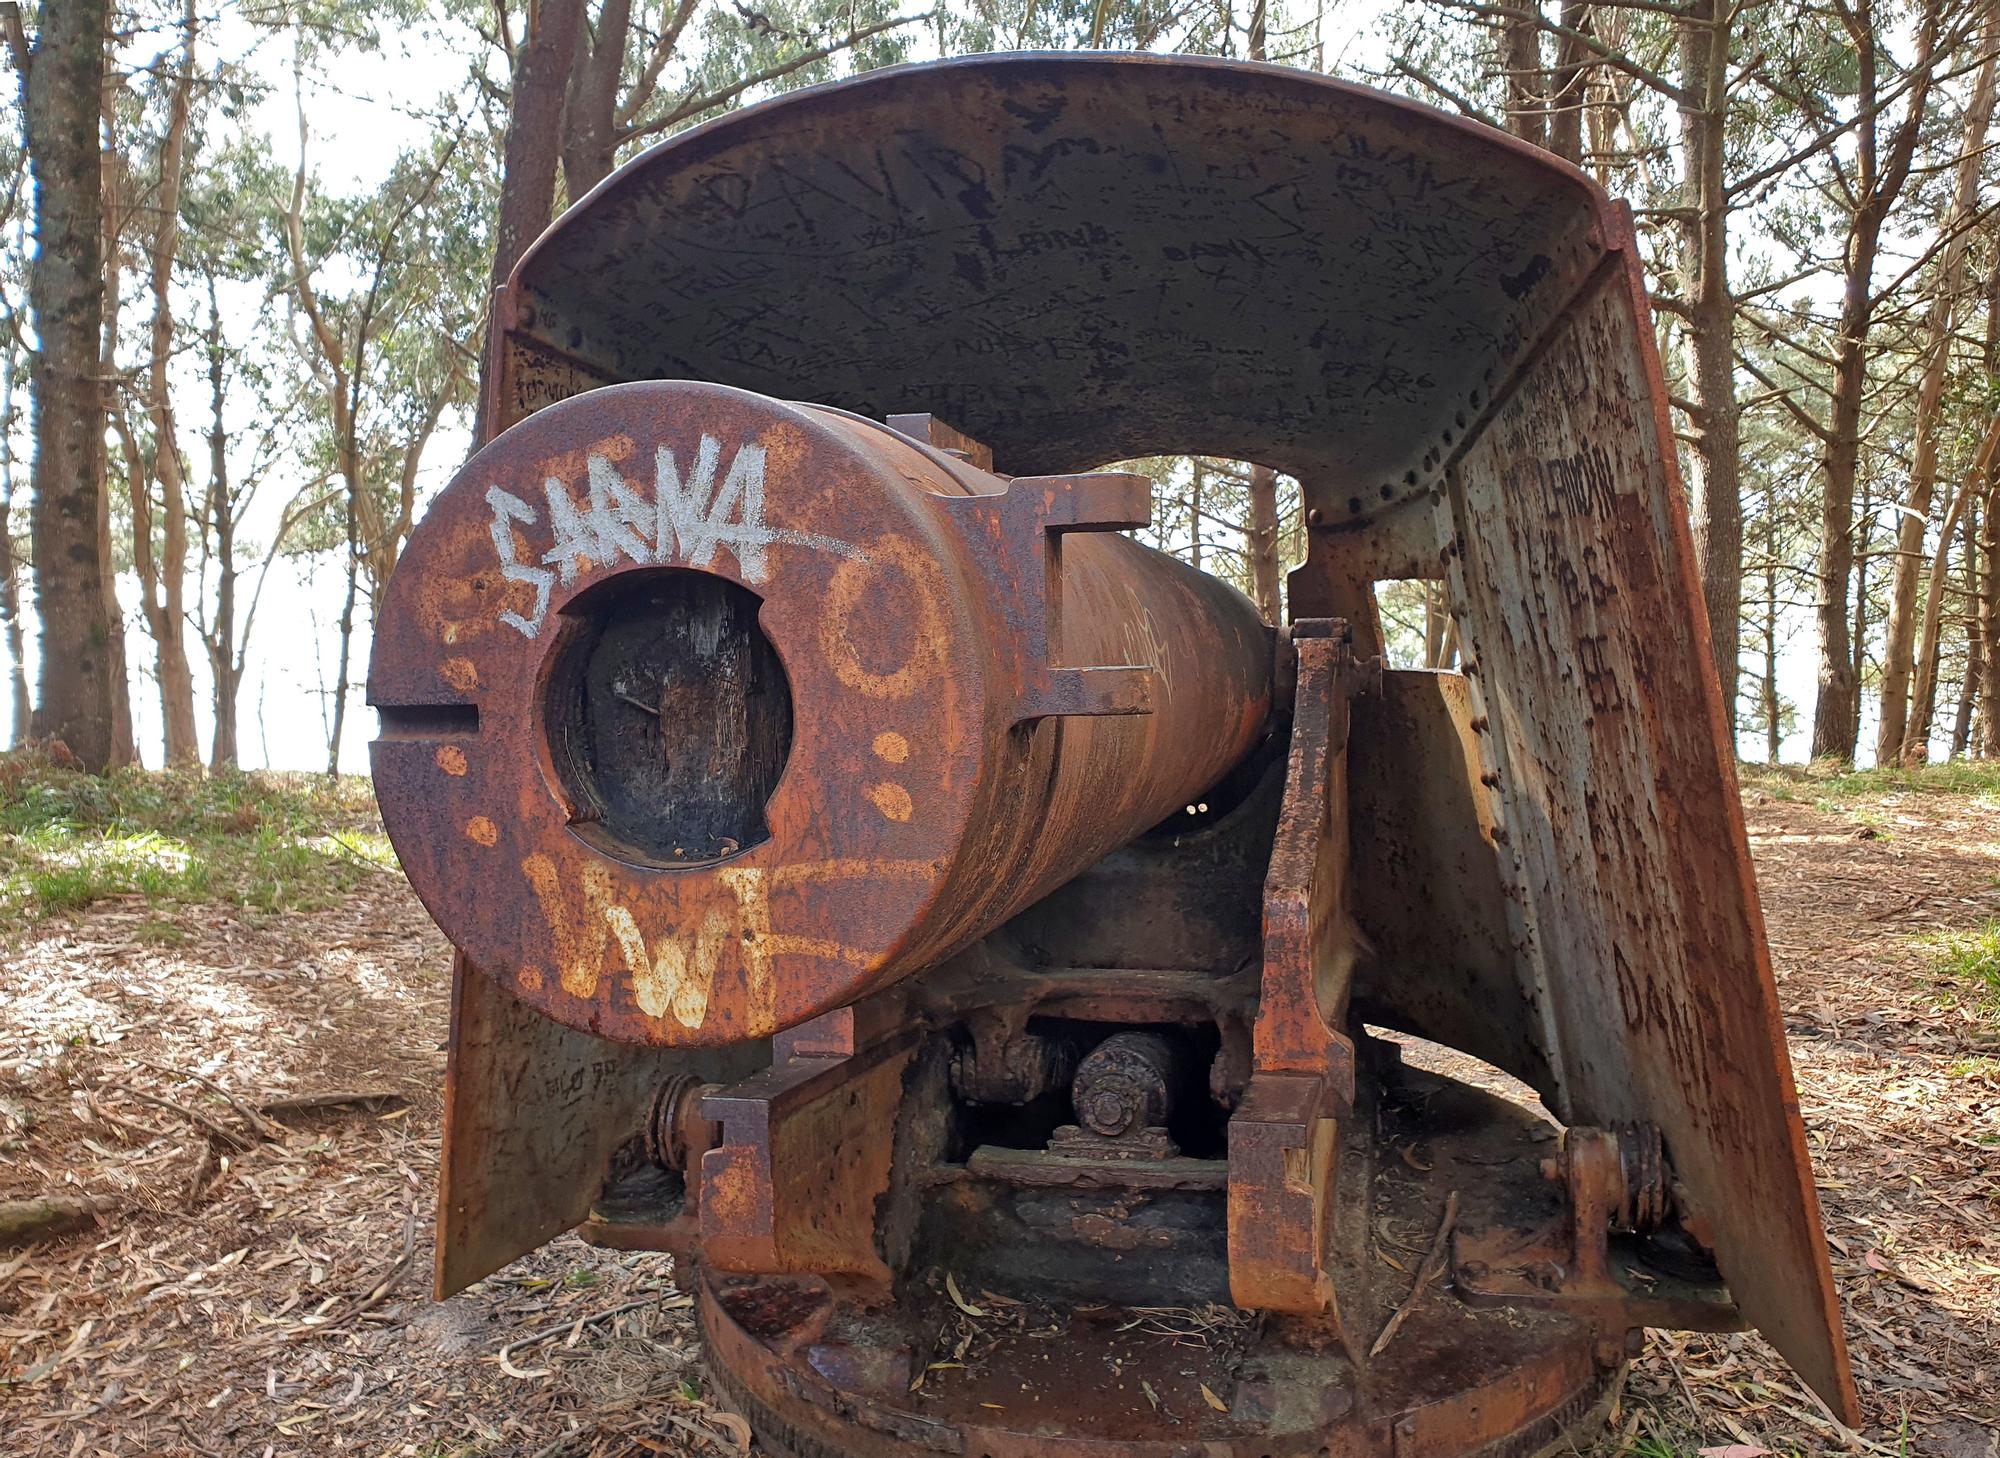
(970, 941)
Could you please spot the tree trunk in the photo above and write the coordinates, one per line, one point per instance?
(1200, 479)
(82, 700)
(1440, 627)
(224, 665)
(528, 166)
(1263, 534)
(1979, 482)
(1569, 82)
(590, 116)
(1710, 331)
(1864, 556)
(1521, 58)
(1913, 748)
(10, 578)
(1987, 609)
(163, 582)
(1968, 687)
(1837, 709)
(1903, 736)
(1773, 728)
(346, 644)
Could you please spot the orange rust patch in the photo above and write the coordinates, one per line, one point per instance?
(891, 746)
(530, 979)
(451, 759)
(894, 569)
(572, 467)
(891, 799)
(460, 674)
(480, 829)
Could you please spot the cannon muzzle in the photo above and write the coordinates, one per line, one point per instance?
(704, 713)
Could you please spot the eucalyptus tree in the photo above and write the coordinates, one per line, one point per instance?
(150, 132)
(1650, 97)
(82, 699)
(386, 309)
(583, 85)
(1909, 656)
(256, 397)
(1859, 119)
(13, 398)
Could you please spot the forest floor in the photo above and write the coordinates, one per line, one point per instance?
(178, 958)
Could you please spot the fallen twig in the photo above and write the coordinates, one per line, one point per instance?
(395, 1272)
(22, 1221)
(103, 1115)
(193, 1116)
(265, 1127)
(313, 1103)
(1433, 1265)
(738, 1440)
(536, 1338)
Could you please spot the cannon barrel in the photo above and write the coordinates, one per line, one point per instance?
(704, 713)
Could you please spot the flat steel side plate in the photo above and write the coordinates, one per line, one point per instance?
(534, 1112)
(1619, 799)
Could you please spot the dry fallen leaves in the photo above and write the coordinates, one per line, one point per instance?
(225, 1301)
(958, 1297)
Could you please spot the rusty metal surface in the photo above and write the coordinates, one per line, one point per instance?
(1616, 791)
(804, 1157)
(534, 1113)
(1613, 1185)
(1429, 893)
(1283, 1135)
(1127, 1083)
(825, 1368)
(985, 695)
(1082, 258)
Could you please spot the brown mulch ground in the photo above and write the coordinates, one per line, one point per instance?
(262, 1290)
(1899, 1081)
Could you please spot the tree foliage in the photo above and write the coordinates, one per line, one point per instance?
(294, 328)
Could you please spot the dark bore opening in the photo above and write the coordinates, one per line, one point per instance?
(669, 717)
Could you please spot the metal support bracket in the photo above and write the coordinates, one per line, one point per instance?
(806, 1150)
(1022, 531)
(1613, 1182)
(1283, 1146)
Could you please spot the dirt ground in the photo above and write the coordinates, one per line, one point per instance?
(258, 1282)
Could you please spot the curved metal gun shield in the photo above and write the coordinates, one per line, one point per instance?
(1442, 332)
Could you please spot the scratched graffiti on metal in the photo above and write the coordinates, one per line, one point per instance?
(941, 885)
(688, 517)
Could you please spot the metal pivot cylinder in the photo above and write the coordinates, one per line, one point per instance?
(703, 713)
(1126, 1083)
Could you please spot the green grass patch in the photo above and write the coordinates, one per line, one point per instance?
(1971, 958)
(270, 842)
(1827, 781)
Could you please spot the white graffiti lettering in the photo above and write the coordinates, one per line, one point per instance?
(690, 518)
(506, 511)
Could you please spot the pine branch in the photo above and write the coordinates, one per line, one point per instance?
(695, 105)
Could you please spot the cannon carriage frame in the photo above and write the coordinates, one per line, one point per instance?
(1034, 265)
